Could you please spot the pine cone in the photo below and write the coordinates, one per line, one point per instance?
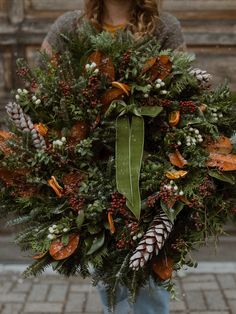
(202, 76)
(24, 124)
(152, 242)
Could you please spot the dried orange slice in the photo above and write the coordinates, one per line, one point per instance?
(176, 174)
(111, 223)
(122, 86)
(55, 186)
(163, 268)
(41, 128)
(59, 251)
(174, 118)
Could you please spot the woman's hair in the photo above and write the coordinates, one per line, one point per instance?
(144, 15)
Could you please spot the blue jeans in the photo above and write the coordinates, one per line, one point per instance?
(151, 299)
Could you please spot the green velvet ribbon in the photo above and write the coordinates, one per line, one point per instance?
(129, 150)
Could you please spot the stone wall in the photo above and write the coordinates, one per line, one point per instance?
(209, 27)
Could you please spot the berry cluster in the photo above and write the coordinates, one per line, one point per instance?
(22, 72)
(170, 191)
(76, 204)
(206, 188)
(118, 204)
(54, 230)
(125, 60)
(187, 106)
(165, 103)
(33, 86)
(194, 137)
(65, 88)
(123, 242)
(152, 199)
(90, 92)
(197, 221)
(179, 245)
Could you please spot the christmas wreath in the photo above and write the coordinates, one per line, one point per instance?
(119, 156)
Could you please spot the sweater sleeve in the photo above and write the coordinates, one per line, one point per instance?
(170, 33)
(64, 24)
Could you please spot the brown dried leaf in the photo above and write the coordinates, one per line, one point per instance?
(104, 64)
(222, 161)
(223, 146)
(4, 137)
(109, 96)
(177, 159)
(161, 69)
(148, 65)
(78, 132)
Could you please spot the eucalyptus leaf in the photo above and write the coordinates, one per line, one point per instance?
(97, 244)
(80, 219)
(226, 177)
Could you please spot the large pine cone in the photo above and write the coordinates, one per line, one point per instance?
(24, 124)
(152, 242)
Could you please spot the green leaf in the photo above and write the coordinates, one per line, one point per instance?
(172, 213)
(222, 176)
(65, 239)
(97, 244)
(80, 219)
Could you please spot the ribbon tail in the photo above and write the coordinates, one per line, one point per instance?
(123, 171)
(129, 154)
(137, 146)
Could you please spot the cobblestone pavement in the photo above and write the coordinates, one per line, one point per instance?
(198, 293)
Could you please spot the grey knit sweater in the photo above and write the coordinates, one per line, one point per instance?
(169, 33)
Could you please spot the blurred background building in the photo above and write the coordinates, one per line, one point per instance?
(209, 27)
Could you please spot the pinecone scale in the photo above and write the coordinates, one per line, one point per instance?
(202, 76)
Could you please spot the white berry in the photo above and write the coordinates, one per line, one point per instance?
(38, 102)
